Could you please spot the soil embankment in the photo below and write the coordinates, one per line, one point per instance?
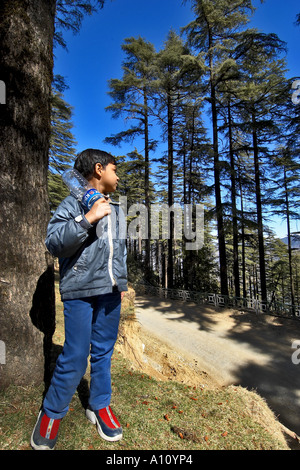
(208, 347)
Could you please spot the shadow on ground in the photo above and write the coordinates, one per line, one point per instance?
(275, 377)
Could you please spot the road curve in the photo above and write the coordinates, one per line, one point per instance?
(233, 347)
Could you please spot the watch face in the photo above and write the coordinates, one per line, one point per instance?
(78, 218)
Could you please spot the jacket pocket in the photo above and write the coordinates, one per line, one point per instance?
(81, 267)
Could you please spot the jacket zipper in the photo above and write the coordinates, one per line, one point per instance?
(111, 250)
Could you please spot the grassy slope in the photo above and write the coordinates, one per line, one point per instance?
(155, 415)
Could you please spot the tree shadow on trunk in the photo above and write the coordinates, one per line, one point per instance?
(42, 313)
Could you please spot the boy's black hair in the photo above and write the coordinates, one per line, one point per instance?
(87, 159)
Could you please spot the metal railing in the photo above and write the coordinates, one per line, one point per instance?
(219, 300)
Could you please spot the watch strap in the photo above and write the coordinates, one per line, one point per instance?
(83, 222)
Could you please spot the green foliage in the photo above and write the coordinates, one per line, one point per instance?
(69, 16)
(62, 144)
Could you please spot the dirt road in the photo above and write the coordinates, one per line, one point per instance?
(254, 351)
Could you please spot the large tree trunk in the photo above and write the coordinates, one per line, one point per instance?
(147, 186)
(26, 272)
(219, 204)
(170, 270)
(287, 205)
(261, 248)
(218, 198)
(235, 233)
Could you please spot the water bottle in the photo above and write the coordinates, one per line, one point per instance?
(79, 186)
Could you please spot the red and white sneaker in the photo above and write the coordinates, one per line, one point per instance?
(108, 426)
(45, 432)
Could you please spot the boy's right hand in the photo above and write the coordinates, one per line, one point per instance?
(99, 209)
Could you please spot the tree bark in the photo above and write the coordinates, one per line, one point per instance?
(235, 235)
(170, 190)
(243, 238)
(261, 248)
(147, 186)
(287, 205)
(27, 306)
(219, 204)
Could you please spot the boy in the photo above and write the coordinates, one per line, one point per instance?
(92, 276)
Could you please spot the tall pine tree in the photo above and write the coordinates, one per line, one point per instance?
(260, 93)
(209, 34)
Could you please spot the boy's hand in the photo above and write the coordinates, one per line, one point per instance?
(99, 209)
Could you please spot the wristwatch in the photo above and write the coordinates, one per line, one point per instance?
(81, 220)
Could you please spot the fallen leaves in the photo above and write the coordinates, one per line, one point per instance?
(186, 434)
(181, 426)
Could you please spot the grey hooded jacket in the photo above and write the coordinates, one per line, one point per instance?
(92, 258)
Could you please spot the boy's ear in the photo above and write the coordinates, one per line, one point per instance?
(98, 169)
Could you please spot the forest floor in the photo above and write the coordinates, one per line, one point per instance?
(214, 348)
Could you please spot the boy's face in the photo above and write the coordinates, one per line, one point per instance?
(109, 179)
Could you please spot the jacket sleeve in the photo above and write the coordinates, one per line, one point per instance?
(64, 235)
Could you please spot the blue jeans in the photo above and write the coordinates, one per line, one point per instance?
(91, 328)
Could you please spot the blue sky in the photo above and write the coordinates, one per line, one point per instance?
(94, 55)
